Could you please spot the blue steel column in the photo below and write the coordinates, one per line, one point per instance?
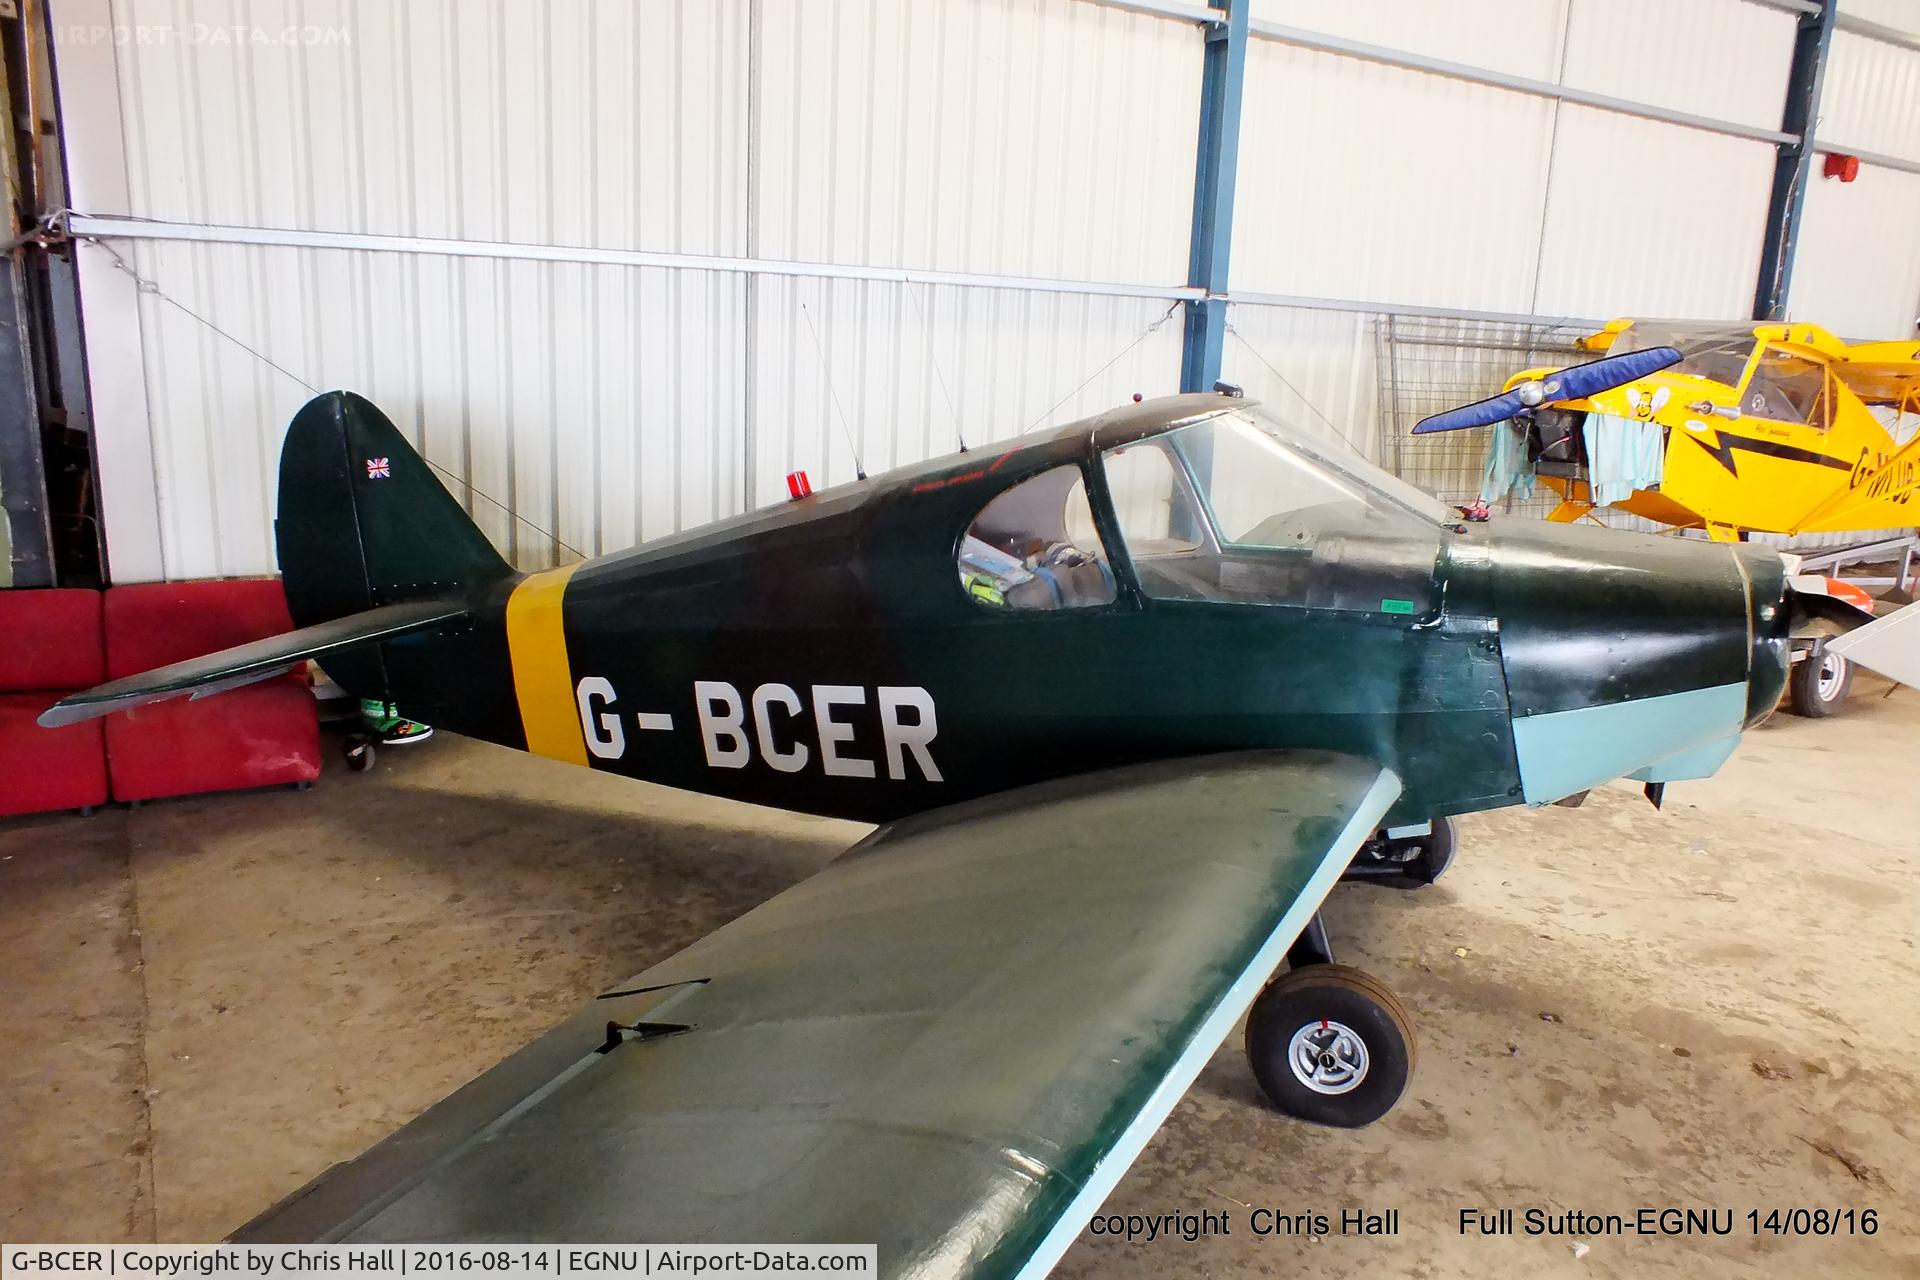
(1793, 164)
(1213, 177)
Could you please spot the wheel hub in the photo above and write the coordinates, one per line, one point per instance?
(1832, 669)
(1328, 1057)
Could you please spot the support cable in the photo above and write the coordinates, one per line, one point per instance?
(147, 286)
(1121, 354)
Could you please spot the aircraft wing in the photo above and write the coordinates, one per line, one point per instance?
(247, 663)
(1889, 645)
(951, 1042)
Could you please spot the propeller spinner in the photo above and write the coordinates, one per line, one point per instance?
(1576, 383)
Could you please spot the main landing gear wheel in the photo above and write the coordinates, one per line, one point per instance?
(1820, 683)
(1331, 1045)
(359, 752)
(1411, 862)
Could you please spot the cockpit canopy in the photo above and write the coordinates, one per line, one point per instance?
(1235, 508)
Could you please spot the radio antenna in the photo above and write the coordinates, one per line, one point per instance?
(826, 371)
(934, 362)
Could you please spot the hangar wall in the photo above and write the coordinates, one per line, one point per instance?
(617, 267)
(1859, 268)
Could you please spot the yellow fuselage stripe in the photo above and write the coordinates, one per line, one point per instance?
(542, 679)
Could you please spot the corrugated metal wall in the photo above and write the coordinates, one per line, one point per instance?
(604, 403)
(1418, 189)
(1859, 264)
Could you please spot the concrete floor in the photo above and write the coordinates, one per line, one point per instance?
(209, 1001)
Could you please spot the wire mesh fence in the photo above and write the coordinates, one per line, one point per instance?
(1431, 363)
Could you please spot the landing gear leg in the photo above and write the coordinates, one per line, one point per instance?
(1328, 1043)
(1312, 946)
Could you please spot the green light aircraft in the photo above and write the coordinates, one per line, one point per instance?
(1127, 698)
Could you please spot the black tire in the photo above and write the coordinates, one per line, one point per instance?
(1820, 684)
(359, 752)
(1368, 1054)
(1436, 855)
(1412, 863)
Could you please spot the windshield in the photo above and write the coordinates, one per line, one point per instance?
(1717, 352)
(1340, 456)
(1261, 467)
(1239, 507)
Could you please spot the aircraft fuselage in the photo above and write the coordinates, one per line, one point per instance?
(821, 656)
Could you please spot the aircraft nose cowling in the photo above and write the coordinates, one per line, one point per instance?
(1770, 615)
(1629, 655)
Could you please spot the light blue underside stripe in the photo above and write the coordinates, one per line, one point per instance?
(1562, 752)
(1701, 762)
(1106, 1175)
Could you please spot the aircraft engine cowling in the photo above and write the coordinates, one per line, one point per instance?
(1630, 655)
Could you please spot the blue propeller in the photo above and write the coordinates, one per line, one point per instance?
(1576, 383)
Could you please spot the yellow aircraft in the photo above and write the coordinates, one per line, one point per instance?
(1769, 427)
(1775, 427)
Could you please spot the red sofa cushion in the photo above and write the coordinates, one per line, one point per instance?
(259, 736)
(50, 640)
(154, 623)
(46, 769)
(256, 736)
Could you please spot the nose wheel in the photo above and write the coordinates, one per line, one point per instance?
(1819, 684)
(1331, 1045)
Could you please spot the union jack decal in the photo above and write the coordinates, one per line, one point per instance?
(378, 469)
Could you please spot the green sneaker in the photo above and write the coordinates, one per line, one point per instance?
(391, 728)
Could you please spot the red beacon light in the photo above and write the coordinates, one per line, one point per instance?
(1844, 167)
(798, 486)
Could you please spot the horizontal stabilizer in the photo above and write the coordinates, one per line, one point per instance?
(258, 660)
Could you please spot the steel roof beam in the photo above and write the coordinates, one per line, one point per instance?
(1301, 38)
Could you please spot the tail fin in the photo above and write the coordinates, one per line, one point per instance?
(372, 549)
(363, 522)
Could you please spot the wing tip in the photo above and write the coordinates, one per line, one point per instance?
(68, 712)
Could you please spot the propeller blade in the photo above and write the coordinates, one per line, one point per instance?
(1478, 414)
(1576, 383)
(1584, 380)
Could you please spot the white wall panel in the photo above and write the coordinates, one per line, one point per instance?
(1520, 37)
(1648, 219)
(909, 364)
(1366, 182)
(570, 122)
(1311, 369)
(1725, 59)
(1373, 183)
(1901, 15)
(1857, 271)
(1871, 96)
(602, 404)
(1020, 137)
